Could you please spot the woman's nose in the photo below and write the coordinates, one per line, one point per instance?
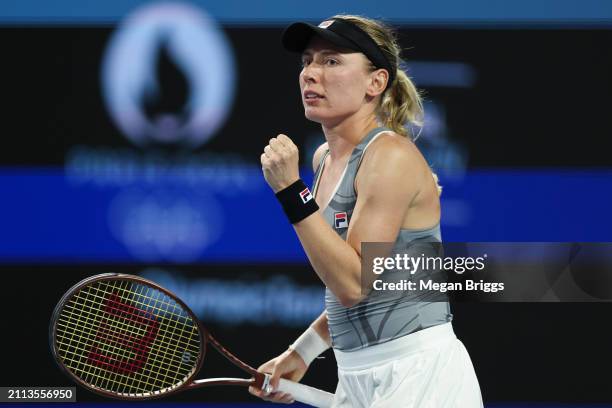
(309, 74)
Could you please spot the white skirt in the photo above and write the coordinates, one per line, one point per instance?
(427, 369)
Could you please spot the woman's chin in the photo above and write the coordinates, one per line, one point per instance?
(315, 116)
(312, 116)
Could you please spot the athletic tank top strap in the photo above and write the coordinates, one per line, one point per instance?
(317, 175)
(352, 166)
(362, 146)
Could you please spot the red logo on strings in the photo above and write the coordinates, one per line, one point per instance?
(111, 337)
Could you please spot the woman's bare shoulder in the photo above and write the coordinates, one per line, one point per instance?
(390, 147)
(395, 157)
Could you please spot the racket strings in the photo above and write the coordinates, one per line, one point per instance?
(89, 324)
(127, 338)
(77, 307)
(122, 354)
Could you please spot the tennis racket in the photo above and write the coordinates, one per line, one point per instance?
(126, 337)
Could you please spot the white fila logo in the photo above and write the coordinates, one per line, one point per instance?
(341, 220)
(326, 23)
(305, 195)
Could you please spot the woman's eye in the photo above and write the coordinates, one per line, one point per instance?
(331, 61)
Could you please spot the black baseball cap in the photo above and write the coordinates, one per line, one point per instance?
(341, 33)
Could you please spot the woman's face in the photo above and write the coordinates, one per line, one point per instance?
(334, 81)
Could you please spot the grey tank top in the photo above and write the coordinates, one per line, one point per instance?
(378, 318)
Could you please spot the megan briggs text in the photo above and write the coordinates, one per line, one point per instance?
(468, 285)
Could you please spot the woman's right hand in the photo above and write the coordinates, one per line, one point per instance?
(288, 365)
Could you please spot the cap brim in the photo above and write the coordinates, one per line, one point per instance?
(297, 36)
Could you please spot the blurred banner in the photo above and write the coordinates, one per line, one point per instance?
(55, 216)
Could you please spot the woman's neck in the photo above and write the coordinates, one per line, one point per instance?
(344, 136)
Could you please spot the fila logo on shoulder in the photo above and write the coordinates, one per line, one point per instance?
(341, 220)
(305, 195)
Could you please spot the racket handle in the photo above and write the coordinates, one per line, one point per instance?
(305, 394)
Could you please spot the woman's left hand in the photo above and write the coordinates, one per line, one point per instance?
(279, 162)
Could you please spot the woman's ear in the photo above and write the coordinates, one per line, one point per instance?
(378, 82)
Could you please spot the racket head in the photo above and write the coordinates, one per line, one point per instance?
(125, 337)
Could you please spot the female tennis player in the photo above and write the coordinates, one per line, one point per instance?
(372, 185)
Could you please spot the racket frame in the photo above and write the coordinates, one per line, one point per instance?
(137, 279)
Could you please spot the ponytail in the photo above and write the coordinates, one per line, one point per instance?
(401, 105)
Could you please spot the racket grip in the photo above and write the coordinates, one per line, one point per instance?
(305, 394)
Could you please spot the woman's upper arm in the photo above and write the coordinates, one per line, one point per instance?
(389, 179)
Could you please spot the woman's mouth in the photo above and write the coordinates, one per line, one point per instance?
(311, 96)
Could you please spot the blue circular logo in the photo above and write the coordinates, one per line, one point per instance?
(168, 76)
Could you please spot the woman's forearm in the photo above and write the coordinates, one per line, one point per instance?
(321, 326)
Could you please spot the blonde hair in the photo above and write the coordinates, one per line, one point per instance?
(401, 104)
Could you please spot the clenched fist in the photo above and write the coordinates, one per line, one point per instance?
(279, 163)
